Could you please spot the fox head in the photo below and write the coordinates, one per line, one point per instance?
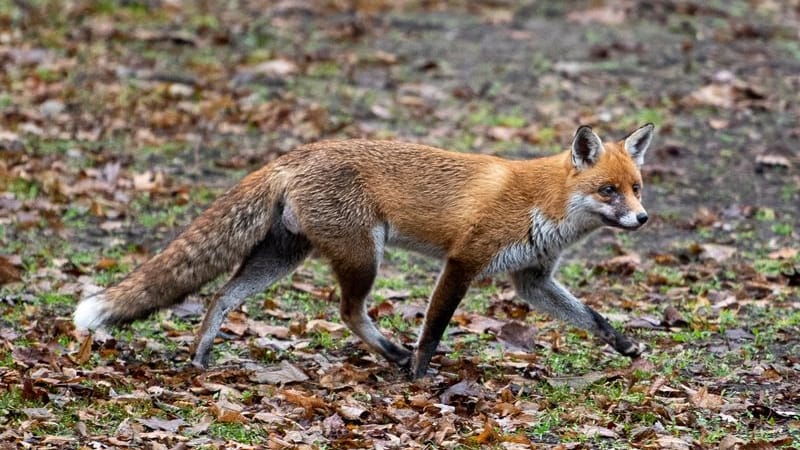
(605, 181)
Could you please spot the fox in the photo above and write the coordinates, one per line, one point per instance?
(350, 199)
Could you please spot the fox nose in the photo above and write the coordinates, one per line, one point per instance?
(642, 218)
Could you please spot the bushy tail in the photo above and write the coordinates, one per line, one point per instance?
(214, 243)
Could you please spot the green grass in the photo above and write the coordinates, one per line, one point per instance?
(237, 432)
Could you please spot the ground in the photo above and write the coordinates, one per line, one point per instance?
(121, 120)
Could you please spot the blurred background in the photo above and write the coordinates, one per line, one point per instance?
(103, 100)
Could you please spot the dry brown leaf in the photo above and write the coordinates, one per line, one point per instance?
(8, 273)
(672, 443)
(518, 335)
(227, 411)
(624, 264)
(85, 352)
(502, 133)
(465, 388)
(783, 253)
(38, 413)
(308, 402)
(275, 68)
(333, 427)
(157, 423)
(262, 329)
(673, 318)
(704, 399)
(479, 324)
(489, 433)
(106, 264)
(718, 95)
(148, 181)
(236, 323)
(592, 431)
(772, 160)
(716, 252)
(730, 442)
(283, 373)
(324, 325)
(611, 14)
(578, 382)
(353, 413)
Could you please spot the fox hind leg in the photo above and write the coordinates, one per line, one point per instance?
(356, 273)
(275, 257)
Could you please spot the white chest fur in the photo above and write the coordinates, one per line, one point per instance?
(546, 240)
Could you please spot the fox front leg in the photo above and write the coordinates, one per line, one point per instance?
(450, 289)
(545, 294)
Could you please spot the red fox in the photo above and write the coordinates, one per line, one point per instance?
(349, 199)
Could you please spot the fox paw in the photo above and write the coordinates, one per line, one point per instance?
(631, 349)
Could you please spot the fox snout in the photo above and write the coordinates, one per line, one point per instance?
(632, 220)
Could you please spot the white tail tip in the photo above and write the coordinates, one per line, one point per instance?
(90, 313)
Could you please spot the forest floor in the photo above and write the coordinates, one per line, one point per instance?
(121, 120)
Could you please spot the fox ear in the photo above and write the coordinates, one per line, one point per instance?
(637, 142)
(586, 148)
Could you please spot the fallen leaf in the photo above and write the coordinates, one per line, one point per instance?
(738, 334)
(85, 352)
(333, 427)
(718, 124)
(308, 402)
(394, 294)
(276, 68)
(768, 412)
(783, 253)
(647, 323)
(148, 181)
(624, 264)
(518, 335)
(704, 399)
(502, 133)
(324, 325)
(262, 329)
(188, 308)
(672, 443)
(236, 324)
(106, 264)
(593, 431)
(410, 311)
(673, 318)
(611, 14)
(760, 444)
(489, 433)
(730, 442)
(716, 252)
(479, 324)
(283, 373)
(157, 423)
(353, 413)
(38, 413)
(577, 383)
(227, 411)
(718, 95)
(8, 273)
(772, 160)
(465, 388)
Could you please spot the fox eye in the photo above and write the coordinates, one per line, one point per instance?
(637, 189)
(607, 190)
